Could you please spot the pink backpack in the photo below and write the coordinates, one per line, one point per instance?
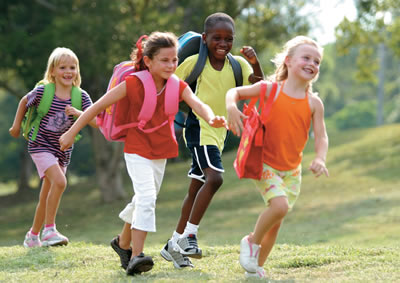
(111, 125)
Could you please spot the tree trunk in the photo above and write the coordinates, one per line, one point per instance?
(25, 172)
(109, 167)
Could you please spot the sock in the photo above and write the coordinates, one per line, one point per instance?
(175, 237)
(49, 226)
(33, 233)
(190, 229)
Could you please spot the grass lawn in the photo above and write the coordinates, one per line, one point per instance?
(342, 229)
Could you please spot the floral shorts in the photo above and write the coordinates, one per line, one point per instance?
(275, 183)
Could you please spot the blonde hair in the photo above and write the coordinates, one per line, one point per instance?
(281, 71)
(56, 57)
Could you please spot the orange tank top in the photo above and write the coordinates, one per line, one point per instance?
(287, 129)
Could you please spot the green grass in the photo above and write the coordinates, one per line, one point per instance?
(342, 229)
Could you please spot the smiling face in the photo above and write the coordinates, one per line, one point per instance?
(304, 63)
(219, 40)
(164, 63)
(65, 72)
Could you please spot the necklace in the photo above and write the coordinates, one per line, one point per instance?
(158, 93)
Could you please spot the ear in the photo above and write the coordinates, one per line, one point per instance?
(287, 60)
(147, 61)
(204, 37)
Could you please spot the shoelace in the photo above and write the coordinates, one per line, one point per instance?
(192, 242)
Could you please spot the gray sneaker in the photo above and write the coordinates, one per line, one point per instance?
(188, 246)
(169, 254)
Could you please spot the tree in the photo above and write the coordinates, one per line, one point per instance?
(373, 31)
(102, 34)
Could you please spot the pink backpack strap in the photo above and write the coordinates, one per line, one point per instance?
(150, 97)
(150, 101)
(172, 96)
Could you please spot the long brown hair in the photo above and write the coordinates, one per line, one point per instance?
(151, 46)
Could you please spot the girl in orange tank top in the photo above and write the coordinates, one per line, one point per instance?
(287, 129)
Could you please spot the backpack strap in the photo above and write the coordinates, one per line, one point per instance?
(172, 96)
(76, 98)
(200, 63)
(76, 101)
(150, 101)
(237, 70)
(43, 108)
(150, 97)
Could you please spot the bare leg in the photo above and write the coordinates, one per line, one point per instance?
(138, 238)
(271, 216)
(267, 243)
(203, 198)
(58, 182)
(40, 212)
(187, 206)
(125, 237)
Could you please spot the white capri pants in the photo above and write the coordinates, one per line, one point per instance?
(146, 176)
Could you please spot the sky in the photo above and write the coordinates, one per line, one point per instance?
(329, 13)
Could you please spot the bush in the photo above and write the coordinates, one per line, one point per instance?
(356, 115)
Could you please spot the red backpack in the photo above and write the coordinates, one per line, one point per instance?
(112, 121)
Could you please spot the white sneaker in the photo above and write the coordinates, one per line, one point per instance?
(248, 257)
(51, 237)
(260, 273)
(31, 240)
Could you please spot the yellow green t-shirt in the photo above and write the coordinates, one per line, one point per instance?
(212, 86)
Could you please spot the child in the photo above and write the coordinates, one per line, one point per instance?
(288, 124)
(145, 153)
(51, 162)
(204, 142)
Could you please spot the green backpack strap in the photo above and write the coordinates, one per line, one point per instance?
(76, 101)
(43, 108)
(45, 104)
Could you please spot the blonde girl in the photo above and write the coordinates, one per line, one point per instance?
(288, 124)
(51, 162)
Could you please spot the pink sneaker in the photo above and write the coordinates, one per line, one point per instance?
(51, 237)
(31, 240)
(248, 257)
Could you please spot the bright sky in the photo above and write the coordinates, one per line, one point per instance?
(328, 14)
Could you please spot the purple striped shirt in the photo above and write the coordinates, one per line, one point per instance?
(53, 125)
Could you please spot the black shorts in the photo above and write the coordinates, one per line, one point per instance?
(204, 156)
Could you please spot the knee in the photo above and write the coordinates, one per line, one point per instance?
(214, 181)
(280, 207)
(60, 183)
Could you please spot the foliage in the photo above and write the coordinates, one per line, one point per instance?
(356, 115)
(342, 228)
(102, 34)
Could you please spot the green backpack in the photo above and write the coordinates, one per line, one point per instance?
(34, 115)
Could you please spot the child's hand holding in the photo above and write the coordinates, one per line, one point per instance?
(66, 140)
(318, 167)
(72, 111)
(250, 55)
(235, 117)
(218, 122)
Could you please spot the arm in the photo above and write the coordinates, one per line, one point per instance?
(203, 110)
(69, 110)
(115, 94)
(250, 54)
(19, 116)
(318, 166)
(235, 116)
